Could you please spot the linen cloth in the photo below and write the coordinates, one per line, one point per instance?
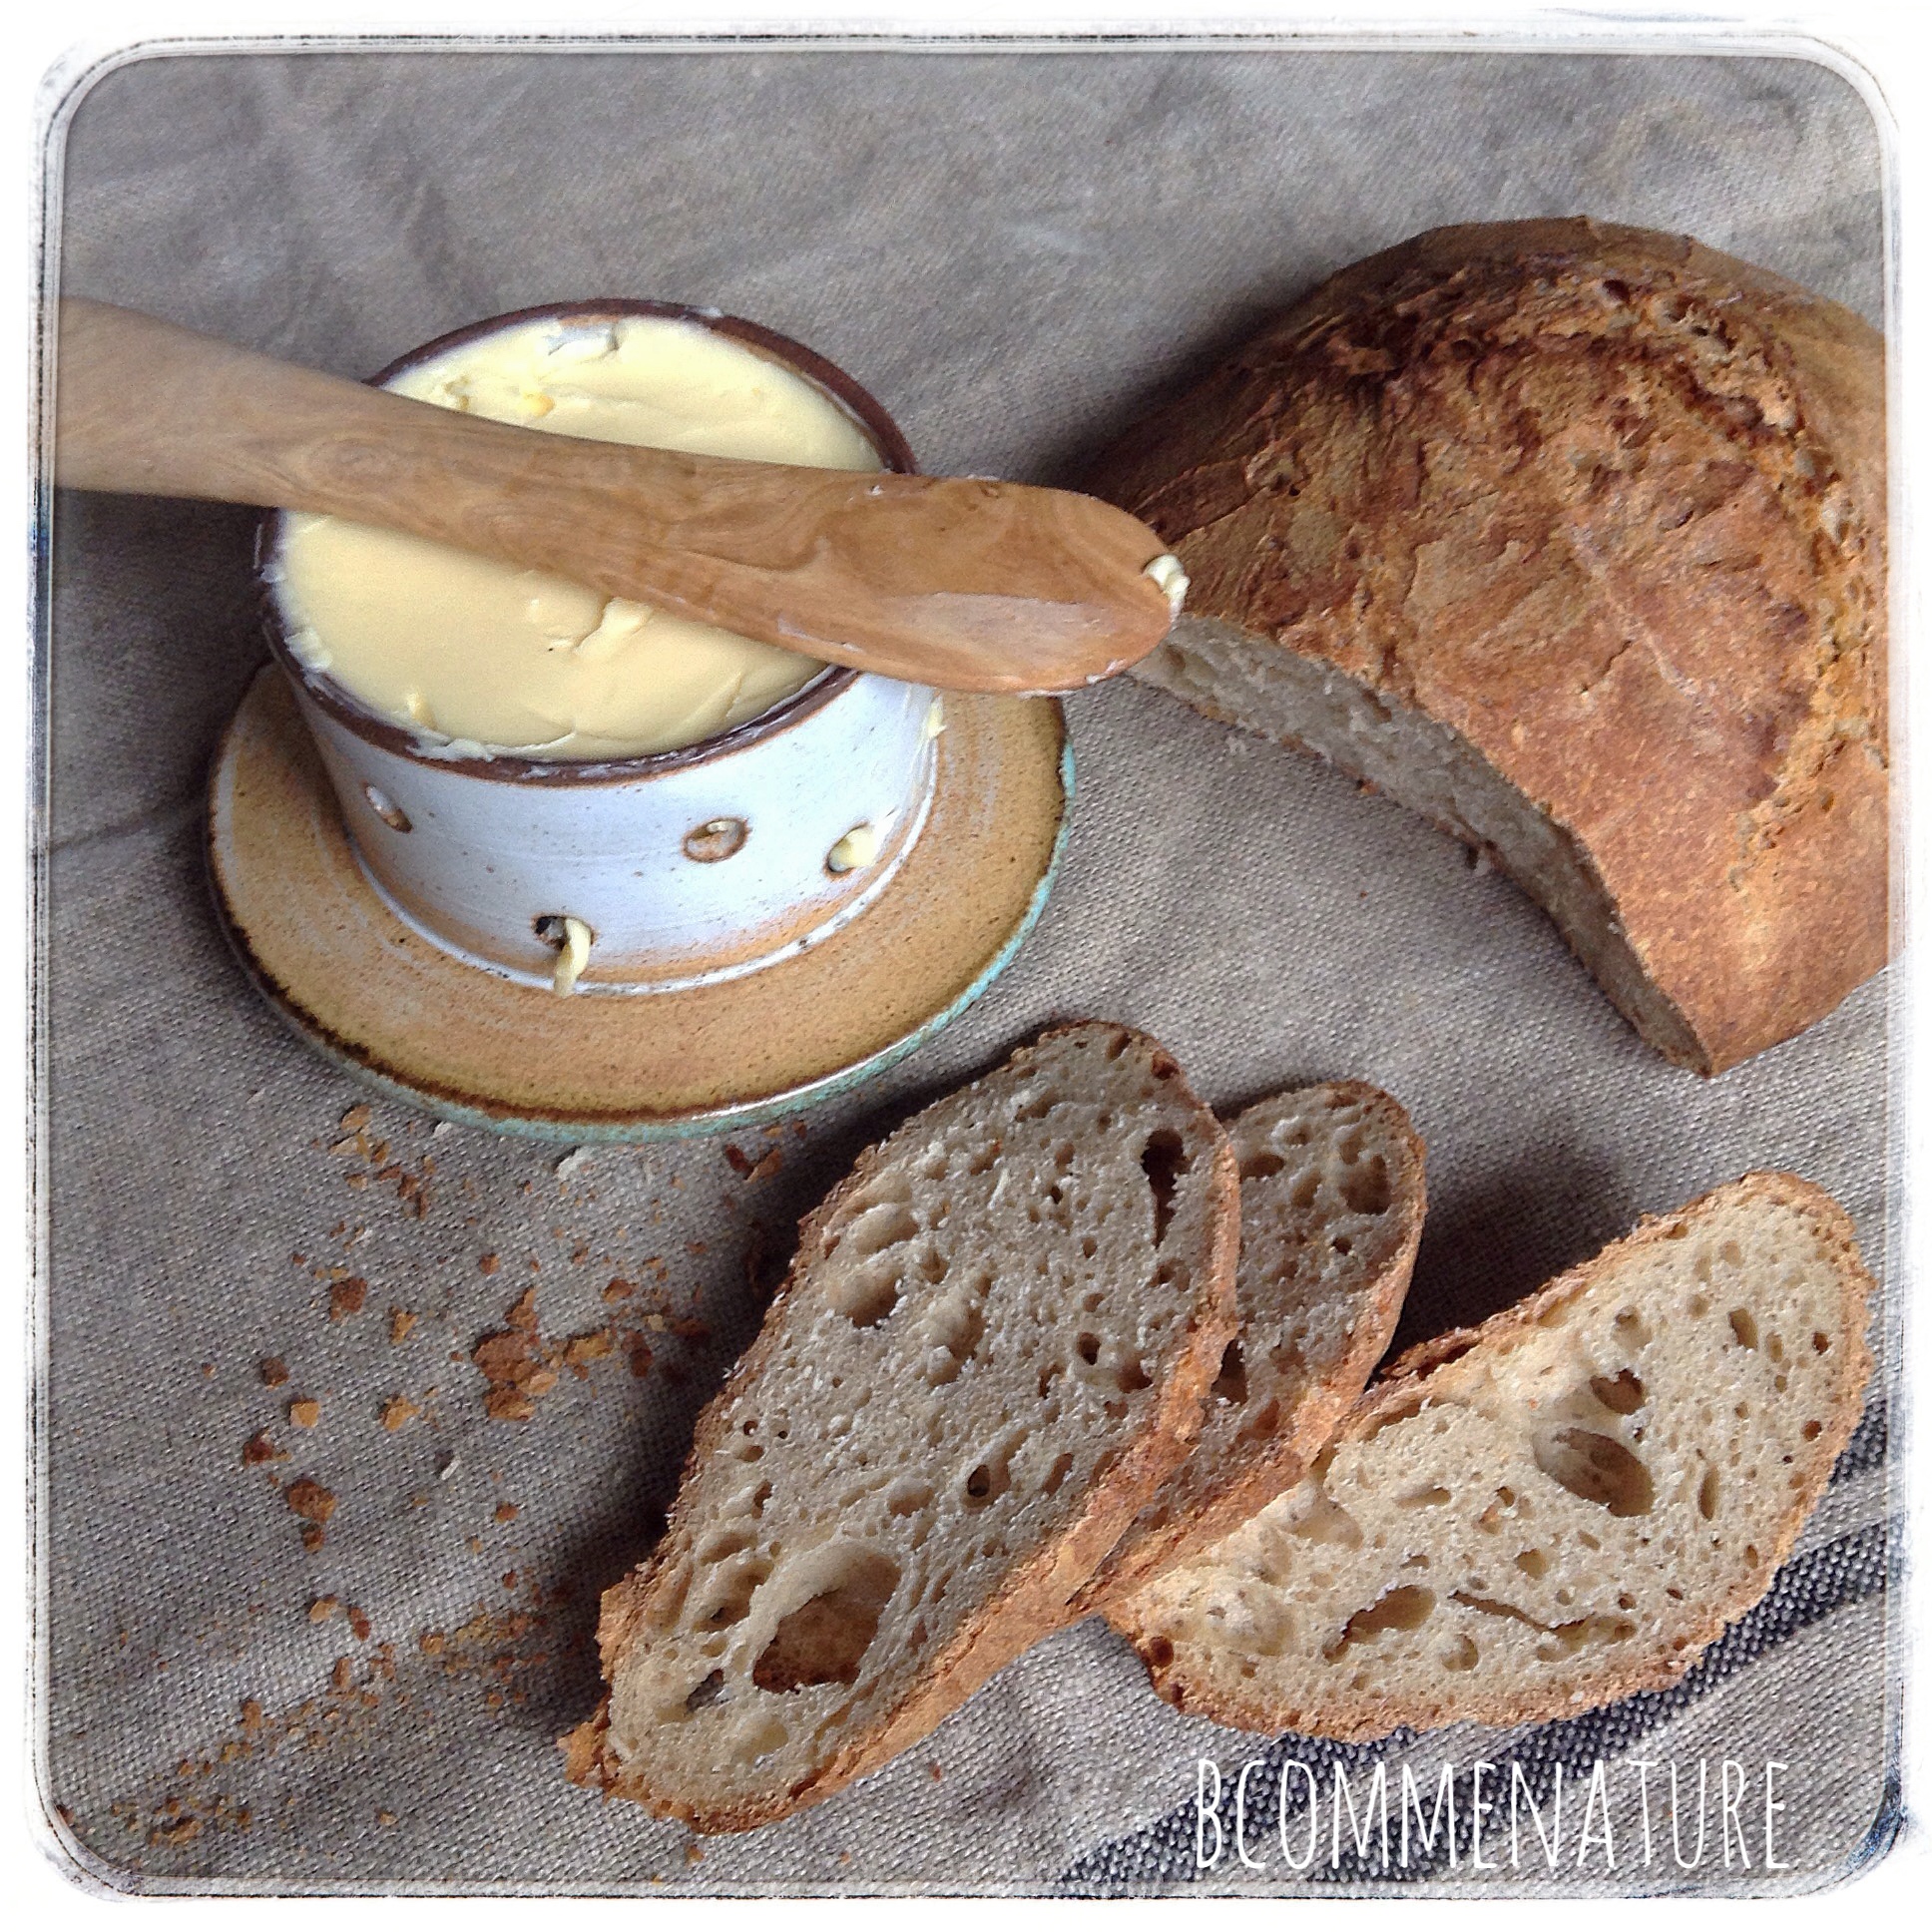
(1015, 249)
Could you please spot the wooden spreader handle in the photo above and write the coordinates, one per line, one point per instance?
(964, 583)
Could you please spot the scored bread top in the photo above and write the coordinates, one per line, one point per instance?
(993, 1344)
(1550, 1511)
(1609, 506)
(1332, 1212)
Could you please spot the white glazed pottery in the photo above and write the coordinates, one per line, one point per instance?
(673, 870)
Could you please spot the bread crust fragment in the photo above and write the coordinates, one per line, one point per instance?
(1246, 1639)
(1572, 536)
(1332, 1204)
(1031, 1597)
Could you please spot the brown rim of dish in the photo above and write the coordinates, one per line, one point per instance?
(323, 691)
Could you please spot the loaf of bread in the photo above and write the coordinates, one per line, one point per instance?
(994, 1344)
(1572, 538)
(1550, 1511)
(1332, 1212)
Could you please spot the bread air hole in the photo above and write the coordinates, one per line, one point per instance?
(956, 1329)
(1743, 1324)
(1366, 1186)
(1567, 1639)
(1621, 1394)
(1427, 1498)
(1263, 1423)
(730, 1594)
(1163, 1160)
(825, 1638)
(1405, 1608)
(1596, 1468)
(987, 1482)
(1533, 1564)
(1231, 1383)
(868, 1294)
(1262, 1167)
(1707, 1496)
(709, 1692)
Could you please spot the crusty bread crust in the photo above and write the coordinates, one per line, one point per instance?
(1251, 1449)
(1609, 507)
(1032, 1599)
(1211, 1683)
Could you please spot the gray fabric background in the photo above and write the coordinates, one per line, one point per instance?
(1011, 250)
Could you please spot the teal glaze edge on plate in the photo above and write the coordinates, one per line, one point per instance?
(683, 1127)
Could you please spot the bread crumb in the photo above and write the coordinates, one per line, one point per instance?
(251, 1714)
(359, 1623)
(506, 1511)
(522, 1312)
(489, 1263)
(274, 1371)
(773, 1159)
(403, 1324)
(314, 1504)
(259, 1448)
(322, 1608)
(693, 1855)
(343, 1673)
(304, 1412)
(398, 1412)
(345, 1297)
(619, 1290)
(430, 1643)
(736, 1160)
(592, 1347)
(355, 1119)
(385, 1817)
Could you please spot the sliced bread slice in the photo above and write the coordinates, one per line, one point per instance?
(995, 1342)
(1553, 1510)
(1332, 1212)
